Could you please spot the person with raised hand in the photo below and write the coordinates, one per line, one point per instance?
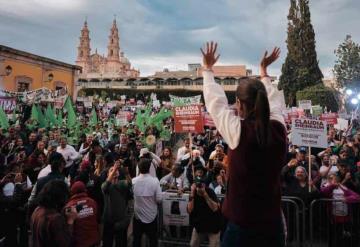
(256, 136)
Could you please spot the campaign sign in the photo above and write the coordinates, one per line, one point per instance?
(188, 119)
(330, 118)
(174, 209)
(309, 132)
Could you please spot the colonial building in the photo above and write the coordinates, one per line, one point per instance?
(97, 67)
(22, 71)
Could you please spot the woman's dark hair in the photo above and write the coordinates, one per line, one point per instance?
(252, 94)
(54, 195)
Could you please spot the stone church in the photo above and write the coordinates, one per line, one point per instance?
(114, 65)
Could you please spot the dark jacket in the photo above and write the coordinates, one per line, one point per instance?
(49, 228)
(118, 204)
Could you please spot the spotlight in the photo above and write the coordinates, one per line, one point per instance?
(354, 101)
(349, 92)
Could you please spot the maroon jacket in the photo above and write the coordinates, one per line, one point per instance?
(49, 228)
(86, 230)
(253, 197)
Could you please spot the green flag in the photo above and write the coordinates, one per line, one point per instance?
(4, 123)
(93, 118)
(42, 120)
(59, 119)
(71, 116)
(34, 113)
(50, 116)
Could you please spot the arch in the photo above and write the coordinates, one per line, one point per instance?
(106, 80)
(23, 83)
(58, 85)
(94, 80)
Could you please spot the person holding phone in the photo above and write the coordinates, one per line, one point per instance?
(204, 211)
(118, 206)
(257, 141)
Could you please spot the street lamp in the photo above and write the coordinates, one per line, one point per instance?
(50, 77)
(349, 92)
(354, 101)
(8, 70)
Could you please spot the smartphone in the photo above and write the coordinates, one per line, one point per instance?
(211, 164)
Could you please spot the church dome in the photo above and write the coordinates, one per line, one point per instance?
(124, 60)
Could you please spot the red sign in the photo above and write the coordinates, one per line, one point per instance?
(188, 119)
(330, 118)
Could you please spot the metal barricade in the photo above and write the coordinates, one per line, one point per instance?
(334, 223)
(293, 209)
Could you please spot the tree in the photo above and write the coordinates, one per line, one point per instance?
(301, 67)
(347, 65)
(320, 95)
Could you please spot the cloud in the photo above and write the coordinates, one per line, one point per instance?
(168, 33)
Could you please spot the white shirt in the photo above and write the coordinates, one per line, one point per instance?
(69, 153)
(170, 179)
(181, 152)
(147, 195)
(45, 171)
(227, 123)
(323, 169)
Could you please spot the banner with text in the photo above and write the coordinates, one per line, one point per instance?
(330, 118)
(8, 103)
(310, 133)
(188, 119)
(174, 209)
(177, 101)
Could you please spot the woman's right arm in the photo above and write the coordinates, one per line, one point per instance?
(227, 123)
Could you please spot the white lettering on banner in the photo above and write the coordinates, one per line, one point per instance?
(309, 132)
(174, 209)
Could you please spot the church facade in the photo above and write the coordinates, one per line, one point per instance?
(113, 66)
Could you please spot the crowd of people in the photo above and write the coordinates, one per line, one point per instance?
(105, 188)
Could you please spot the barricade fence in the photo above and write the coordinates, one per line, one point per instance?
(334, 223)
(305, 225)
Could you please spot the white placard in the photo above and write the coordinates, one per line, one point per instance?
(305, 104)
(342, 124)
(309, 133)
(88, 104)
(174, 209)
(121, 118)
(156, 104)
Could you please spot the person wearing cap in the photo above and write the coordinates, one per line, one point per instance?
(85, 230)
(155, 161)
(204, 211)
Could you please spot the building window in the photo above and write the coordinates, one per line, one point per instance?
(23, 83)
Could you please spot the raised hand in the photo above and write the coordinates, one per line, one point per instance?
(267, 60)
(209, 57)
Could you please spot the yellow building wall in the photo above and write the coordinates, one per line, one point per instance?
(38, 74)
